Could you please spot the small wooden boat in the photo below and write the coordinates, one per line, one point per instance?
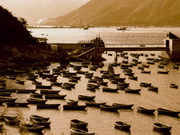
(145, 110)
(37, 117)
(168, 112)
(160, 66)
(85, 97)
(78, 123)
(80, 132)
(133, 77)
(22, 104)
(7, 94)
(26, 90)
(94, 104)
(172, 85)
(7, 99)
(153, 88)
(41, 122)
(11, 121)
(122, 126)
(123, 106)
(20, 82)
(47, 106)
(32, 127)
(49, 91)
(135, 91)
(161, 127)
(54, 96)
(109, 90)
(144, 84)
(36, 100)
(162, 72)
(56, 83)
(109, 108)
(145, 71)
(43, 86)
(74, 107)
(36, 95)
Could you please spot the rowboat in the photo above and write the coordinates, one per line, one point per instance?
(145, 110)
(11, 121)
(78, 123)
(37, 117)
(122, 126)
(47, 106)
(36, 100)
(161, 127)
(32, 127)
(135, 91)
(168, 112)
(153, 88)
(54, 96)
(74, 107)
(41, 122)
(109, 108)
(123, 106)
(25, 90)
(85, 97)
(49, 91)
(172, 85)
(109, 90)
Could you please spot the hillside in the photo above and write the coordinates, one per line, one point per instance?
(123, 13)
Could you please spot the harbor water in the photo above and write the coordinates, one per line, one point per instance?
(99, 121)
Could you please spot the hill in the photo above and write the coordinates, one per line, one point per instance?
(123, 13)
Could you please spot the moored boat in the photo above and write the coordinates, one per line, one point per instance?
(123, 106)
(135, 91)
(109, 108)
(86, 97)
(94, 104)
(54, 96)
(161, 127)
(37, 117)
(32, 127)
(80, 132)
(74, 107)
(109, 90)
(47, 106)
(145, 110)
(122, 126)
(168, 112)
(36, 100)
(78, 123)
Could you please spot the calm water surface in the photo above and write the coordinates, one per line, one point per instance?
(102, 122)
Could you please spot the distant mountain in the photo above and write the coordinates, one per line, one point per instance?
(122, 13)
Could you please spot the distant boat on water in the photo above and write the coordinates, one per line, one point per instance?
(122, 28)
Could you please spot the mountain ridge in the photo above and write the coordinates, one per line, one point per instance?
(122, 13)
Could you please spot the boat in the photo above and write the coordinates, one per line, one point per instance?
(49, 91)
(32, 127)
(153, 88)
(37, 117)
(109, 108)
(43, 86)
(36, 100)
(85, 97)
(94, 104)
(72, 102)
(162, 72)
(11, 121)
(122, 28)
(144, 84)
(80, 132)
(47, 106)
(41, 122)
(168, 112)
(161, 127)
(123, 106)
(7, 94)
(36, 95)
(145, 71)
(145, 110)
(172, 85)
(135, 91)
(54, 96)
(78, 123)
(122, 126)
(109, 90)
(26, 90)
(74, 107)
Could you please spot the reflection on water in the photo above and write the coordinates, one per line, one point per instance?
(102, 122)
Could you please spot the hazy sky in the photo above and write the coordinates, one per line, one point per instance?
(35, 10)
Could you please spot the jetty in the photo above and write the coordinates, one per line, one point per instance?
(94, 49)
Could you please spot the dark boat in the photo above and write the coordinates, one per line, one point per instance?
(144, 84)
(11, 121)
(43, 86)
(36, 100)
(85, 97)
(153, 88)
(162, 72)
(94, 104)
(78, 123)
(161, 127)
(109, 108)
(135, 91)
(123, 106)
(168, 112)
(74, 107)
(72, 102)
(36, 95)
(122, 28)
(172, 85)
(5, 94)
(49, 91)
(26, 90)
(122, 126)
(109, 90)
(145, 72)
(32, 127)
(37, 117)
(80, 132)
(145, 110)
(41, 122)
(54, 96)
(47, 106)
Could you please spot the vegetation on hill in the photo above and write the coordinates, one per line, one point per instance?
(123, 13)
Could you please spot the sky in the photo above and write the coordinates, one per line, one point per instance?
(35, 11)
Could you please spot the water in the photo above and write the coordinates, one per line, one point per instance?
(102, 122)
